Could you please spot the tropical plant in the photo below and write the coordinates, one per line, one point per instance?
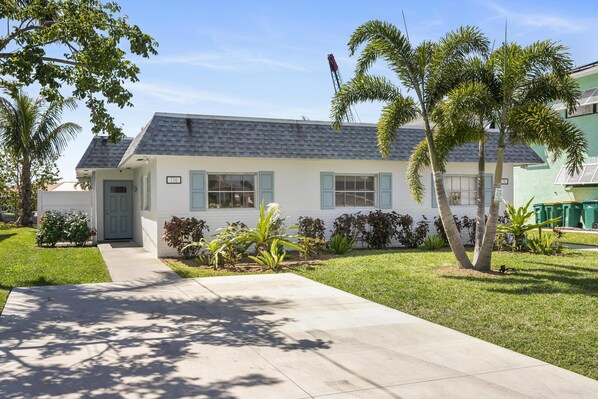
(430, 70)
(544, 243)
(271, 258)
(518, 226)
(350, 226)
(340, 244)
(433, 242)
(179, 232)
(267, 229)
(79, 44)
(513, 89)
(381, 227)
(30, 131)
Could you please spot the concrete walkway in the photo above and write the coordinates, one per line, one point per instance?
(582, 247)
(262, 336)
(127, 261)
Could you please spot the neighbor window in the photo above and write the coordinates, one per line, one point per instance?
(354, 191)
(231, 190)
(461, 190)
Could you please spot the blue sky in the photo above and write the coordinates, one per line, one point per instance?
(268, 58)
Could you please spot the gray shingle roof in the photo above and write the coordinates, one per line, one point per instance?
(102, 154)
(221, 136)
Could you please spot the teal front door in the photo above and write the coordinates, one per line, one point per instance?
(118, 210)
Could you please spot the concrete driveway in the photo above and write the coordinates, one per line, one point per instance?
(267, 336)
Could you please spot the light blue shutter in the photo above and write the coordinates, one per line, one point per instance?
(149, 192)
(327, 190)
(488, 188)
(266, 184)
(433, 191)
(197, 189)
(385, 190)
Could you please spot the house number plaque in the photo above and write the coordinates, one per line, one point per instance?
(173, 179)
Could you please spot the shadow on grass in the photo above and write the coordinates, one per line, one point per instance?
(4, 236)
(165, 347)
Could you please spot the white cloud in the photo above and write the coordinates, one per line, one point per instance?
(536, 20)
(228, 60)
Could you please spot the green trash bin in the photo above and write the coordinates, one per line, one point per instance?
(540, 213)
(590, 214)
(554, 210)
(572, 213)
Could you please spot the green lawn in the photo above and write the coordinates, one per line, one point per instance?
(580, 238)
(547, 308)
(24, 264)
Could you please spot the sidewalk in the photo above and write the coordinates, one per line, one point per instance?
(126, 261)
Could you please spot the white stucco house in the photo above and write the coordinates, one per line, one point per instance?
(220, 168)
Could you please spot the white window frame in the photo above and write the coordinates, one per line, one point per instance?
(451, 193)
(254, 191)
(374, 191)
(145, 193)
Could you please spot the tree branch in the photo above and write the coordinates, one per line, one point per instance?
(48, 59)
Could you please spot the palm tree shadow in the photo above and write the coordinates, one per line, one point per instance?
(105, 341)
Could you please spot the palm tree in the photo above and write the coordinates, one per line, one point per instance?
(523, 82)
(30, 130)
(430, 70)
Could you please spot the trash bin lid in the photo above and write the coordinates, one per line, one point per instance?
(594, 201)
(552, 203)
(539, 204)
(571, 202)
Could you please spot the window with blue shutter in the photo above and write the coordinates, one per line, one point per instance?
(197, 189)
(385, 190)
(266, 182)
(327, 190)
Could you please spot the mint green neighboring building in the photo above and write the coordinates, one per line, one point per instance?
(550, 182)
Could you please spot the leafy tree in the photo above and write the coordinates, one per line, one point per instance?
(520, 84)
(43, 174)
(430, 70)
(32, 134)
(78, 43)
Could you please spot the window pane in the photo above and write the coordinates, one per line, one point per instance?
(455, 198)
(213, 182)
(119, 189)
(249, 201)
(350, 183)
(226, 200)
(340, 199)
(248, 183)
(447, 184)
(359, 199)
(369, 199)
(349, 199)
(339, 184)
(212, 200)
(465, 184)
(360, 183)
(369, 183)
(236, 182)
(237, 200)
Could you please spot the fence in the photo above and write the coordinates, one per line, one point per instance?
(63, 201)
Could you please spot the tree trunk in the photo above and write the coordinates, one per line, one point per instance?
(480, 219)
(25, 211)
(448, 221)
(484, 260)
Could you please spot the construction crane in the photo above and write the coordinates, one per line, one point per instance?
(337, 82)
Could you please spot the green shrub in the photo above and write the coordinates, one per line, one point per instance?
(433, 242)
(409, 236)
(350, 226)
(518, 226)
(341, 245)
(51, 229)
(179, 232)
(380, 228)
(311, 235)
(544, 243)
(76, 228)
(271, 258)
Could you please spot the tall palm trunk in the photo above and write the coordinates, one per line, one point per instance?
(480, 219)
(484, 260)
(444, 209)
(25, 213)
